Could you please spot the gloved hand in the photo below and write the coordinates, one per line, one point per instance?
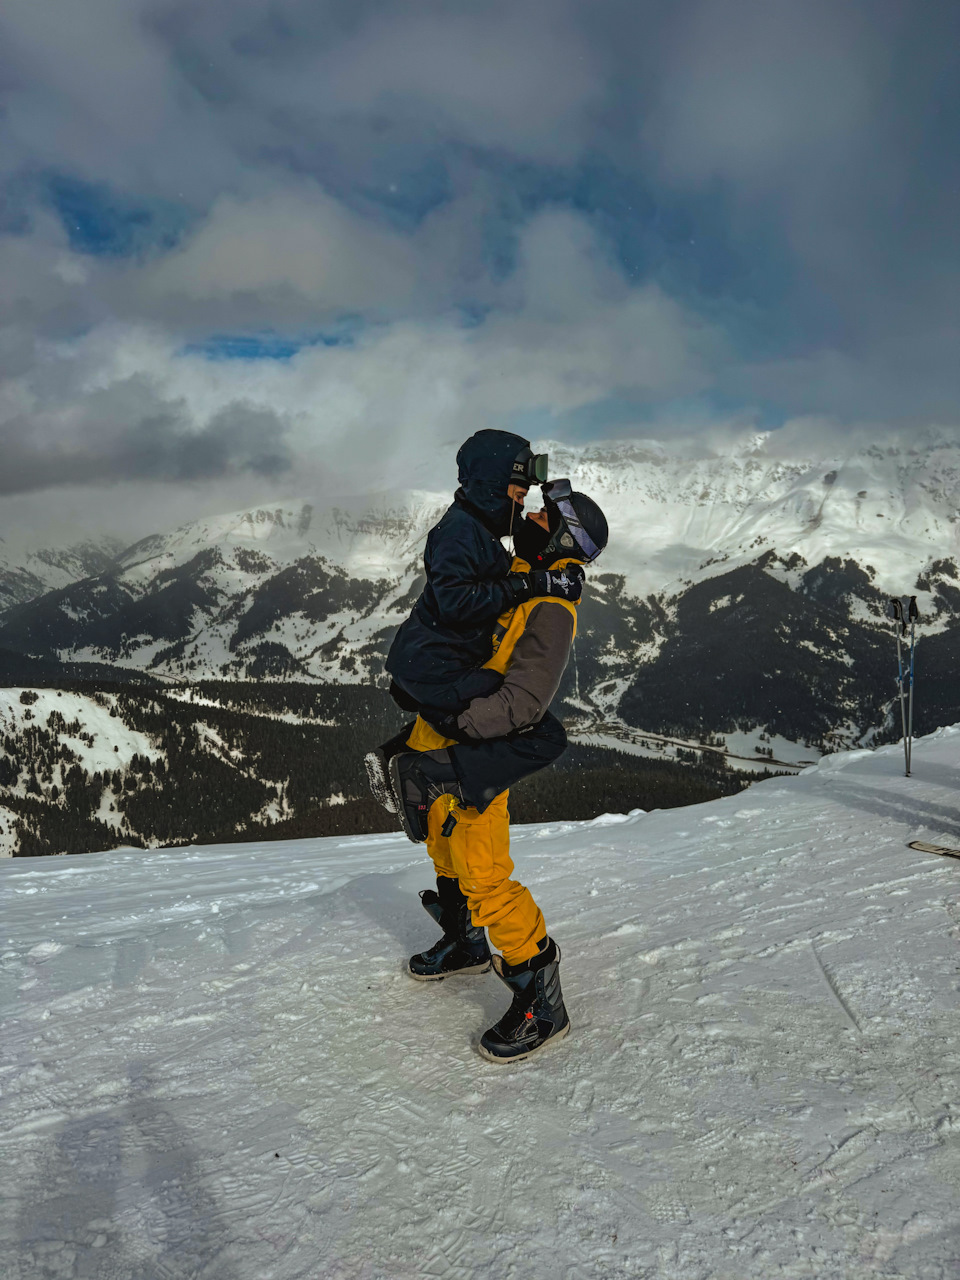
(447, 727)
(565, 583)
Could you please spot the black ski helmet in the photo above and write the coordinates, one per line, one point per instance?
(592, 522)
(577, 529)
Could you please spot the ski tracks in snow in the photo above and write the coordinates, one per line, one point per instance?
(761, 1081)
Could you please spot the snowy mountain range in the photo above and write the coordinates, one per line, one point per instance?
(743, 590)
(26, 575)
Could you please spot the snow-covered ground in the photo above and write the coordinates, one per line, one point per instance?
(215, 1067)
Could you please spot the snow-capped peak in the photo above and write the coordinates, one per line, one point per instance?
(678, 509)
(286, 523)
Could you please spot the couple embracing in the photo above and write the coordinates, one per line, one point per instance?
(479, 660)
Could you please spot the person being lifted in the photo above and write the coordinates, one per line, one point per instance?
(436, 653)
(451, 770)
(437, 657)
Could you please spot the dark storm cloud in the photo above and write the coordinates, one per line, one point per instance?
(128, 432)
(752, 203)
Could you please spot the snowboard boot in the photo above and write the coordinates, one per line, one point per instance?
(377, 763)
(537, 1017)
(418, 778)
(462, 949)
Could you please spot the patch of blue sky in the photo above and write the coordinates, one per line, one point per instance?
(265, 346)
(104, 222)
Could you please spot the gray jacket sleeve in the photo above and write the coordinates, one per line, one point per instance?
(532, 678)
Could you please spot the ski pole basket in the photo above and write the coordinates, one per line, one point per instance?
(905, 614)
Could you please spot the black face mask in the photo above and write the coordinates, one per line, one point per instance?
(529, 541)
(542, 548)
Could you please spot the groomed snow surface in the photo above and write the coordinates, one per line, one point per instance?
(215, 1067)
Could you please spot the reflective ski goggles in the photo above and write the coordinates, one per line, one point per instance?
(529, 467)
(560, 492)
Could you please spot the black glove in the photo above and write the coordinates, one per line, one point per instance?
(567, 584)
(447, 727)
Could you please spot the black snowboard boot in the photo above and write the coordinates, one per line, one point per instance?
(463, 947)
(537, 1017)
(377, 764)
(418, 778)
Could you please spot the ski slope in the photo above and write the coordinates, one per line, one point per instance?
(214, 1066)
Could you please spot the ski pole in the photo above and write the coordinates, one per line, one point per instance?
(914, 614)
(896, 612)
(903, 610)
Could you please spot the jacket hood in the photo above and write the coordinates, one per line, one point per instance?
(486, 469)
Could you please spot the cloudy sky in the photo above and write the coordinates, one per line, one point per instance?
(253, 248)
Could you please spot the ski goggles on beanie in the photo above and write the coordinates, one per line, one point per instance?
(529, 467)
(571, 536)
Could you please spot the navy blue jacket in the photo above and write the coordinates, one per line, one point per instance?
(435, 654)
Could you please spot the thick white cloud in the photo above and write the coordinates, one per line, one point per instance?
(292, 244)
(568, 333)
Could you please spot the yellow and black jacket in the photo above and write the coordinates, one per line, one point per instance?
(531, 648)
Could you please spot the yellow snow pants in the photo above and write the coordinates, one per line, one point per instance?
(477, 853)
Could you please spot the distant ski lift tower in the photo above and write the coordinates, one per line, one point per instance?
(903, 610)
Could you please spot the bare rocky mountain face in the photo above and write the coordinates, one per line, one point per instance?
(742, 597)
